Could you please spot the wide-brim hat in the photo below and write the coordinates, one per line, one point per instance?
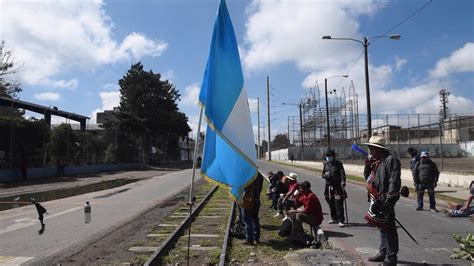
(292, 176)
(377, 141)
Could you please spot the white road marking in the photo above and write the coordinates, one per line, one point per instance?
(8, 260)
(21, 225)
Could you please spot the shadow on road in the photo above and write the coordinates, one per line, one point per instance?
(337, 234)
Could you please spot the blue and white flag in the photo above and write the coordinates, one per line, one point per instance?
(229, 150)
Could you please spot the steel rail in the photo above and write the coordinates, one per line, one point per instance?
(154, 258)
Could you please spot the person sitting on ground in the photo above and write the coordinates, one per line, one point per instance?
(462, 210)
(310, 213)
(275, 189)
(287, 200)
(281, 190)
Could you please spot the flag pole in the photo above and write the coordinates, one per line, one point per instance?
(191, 188)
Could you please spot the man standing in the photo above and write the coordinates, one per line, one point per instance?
(250, 214)
(385, 186)
(414, 158)
(333, 172)
(311, 213)
(425, 177)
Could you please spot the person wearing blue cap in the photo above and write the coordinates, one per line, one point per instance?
(425, 177)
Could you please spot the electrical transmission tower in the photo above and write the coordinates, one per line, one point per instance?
(443, 98)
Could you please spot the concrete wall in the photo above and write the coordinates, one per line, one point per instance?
(399, 151)
(445, 178)
(35, 173)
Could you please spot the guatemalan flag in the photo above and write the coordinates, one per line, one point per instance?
(229, 150)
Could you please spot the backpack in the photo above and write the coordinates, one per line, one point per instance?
(238, 230)
(285, 228)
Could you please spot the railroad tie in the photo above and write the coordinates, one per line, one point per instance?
(143, 249)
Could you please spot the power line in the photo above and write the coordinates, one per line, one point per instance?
(404, 20)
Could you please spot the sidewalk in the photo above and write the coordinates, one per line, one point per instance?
(446, 182)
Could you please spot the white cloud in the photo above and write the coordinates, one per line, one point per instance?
(50, 37)
(399, 62)
(110, 99)
(281, 31)
(48, 96)
(139, 45)
(461, 60)
(191, 95)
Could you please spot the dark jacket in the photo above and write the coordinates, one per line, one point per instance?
(426, 172)
(335, 173)
(387, 179)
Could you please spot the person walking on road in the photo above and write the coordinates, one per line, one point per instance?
(385, 187)
(41, 211)
(334, 193)
(425, 177)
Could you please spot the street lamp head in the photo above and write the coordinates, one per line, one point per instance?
(395, 37)
(345, 76)
(327, 37)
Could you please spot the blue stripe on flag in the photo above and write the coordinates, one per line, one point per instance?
(223, 79)
(225, 166)
(224, 159)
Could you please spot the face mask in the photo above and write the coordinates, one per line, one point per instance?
(329, 159)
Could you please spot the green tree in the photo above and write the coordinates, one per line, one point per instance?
(148, 112)
(8, 88)
(62, 144)
(281, 141)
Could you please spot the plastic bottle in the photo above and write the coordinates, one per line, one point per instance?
(87, 212)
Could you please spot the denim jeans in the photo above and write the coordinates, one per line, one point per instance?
(252, 222)
(421, 188)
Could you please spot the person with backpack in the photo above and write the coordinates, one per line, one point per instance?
(425, 177)
(250, 209)
(335, 176)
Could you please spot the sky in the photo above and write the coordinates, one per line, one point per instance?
(72, 53)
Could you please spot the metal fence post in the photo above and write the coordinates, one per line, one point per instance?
(441, 143)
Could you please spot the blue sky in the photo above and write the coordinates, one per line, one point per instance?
(72, 53)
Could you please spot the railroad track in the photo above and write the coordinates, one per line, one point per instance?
(210, 220)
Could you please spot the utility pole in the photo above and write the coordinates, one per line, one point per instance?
(443, 97)
(258, 128)
(301, 124)
(268, 118)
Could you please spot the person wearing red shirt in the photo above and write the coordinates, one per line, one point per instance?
(310, 212)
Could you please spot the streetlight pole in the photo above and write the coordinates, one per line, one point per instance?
(328, 135)
(365, 42)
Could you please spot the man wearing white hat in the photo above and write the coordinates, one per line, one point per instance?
(385, 186)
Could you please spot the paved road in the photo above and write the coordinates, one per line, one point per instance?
(432, 230)
(20, 240)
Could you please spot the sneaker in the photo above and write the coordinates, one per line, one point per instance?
(377, 258)
(342, 225)
(277, 214)
(434, 210)
(419, 208)
(285, 218)
(331, 222)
